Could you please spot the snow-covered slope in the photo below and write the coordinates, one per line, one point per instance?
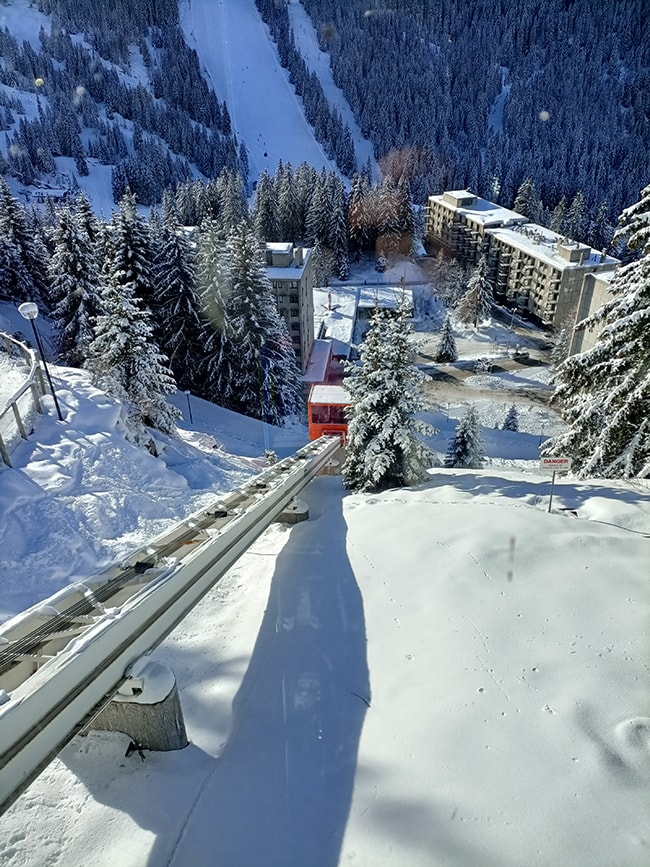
(446, 675)
(242, 64)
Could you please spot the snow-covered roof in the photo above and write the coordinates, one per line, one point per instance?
(293, 271)
(335, 311)
(543, 244)
(329, 394)
(279, 246)
(385, 297)
(319, 357)
(481, 210)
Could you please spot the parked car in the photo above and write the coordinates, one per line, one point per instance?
(519, 354)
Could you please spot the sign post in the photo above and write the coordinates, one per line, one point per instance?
(555, 465)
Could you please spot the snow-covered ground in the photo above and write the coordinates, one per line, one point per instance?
(445, 675)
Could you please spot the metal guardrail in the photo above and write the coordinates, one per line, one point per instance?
(62, 660)
(15, 414)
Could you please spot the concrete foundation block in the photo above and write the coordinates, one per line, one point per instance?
(147, 708)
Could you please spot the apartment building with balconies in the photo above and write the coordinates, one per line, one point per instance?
(540, 272)
(529, 267)
(457, 221)
(290, 270)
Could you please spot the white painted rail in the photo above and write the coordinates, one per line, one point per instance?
(62, 660)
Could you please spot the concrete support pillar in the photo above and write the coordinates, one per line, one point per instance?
(146, 708)
(296, 511)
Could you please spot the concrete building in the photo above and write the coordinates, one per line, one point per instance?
(595, 292)
(290, 270)
(529, 267)
(457, 222)
(540, 272)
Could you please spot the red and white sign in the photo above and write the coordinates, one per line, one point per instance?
(556, 465)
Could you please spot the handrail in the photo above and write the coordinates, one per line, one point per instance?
(53, 685)
(33, 383)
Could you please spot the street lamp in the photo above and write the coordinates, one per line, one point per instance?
(541, 433)
(189, 405)
(29, 310)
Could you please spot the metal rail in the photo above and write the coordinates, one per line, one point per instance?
(50, 685)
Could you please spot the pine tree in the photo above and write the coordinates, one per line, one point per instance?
(214, 288)
(358, 214)
(511, 421)
(446, 351)
(74, 279)
(264, 378)
(475, 305)
(527, 201)
(265, 218)
(25, 256)
(177, 307)
(125, 360)
(465, 448)
(132, 249)
(576, 218)
(604, 392)
(384, 446)
(559, 217)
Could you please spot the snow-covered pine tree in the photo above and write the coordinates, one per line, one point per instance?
(446, 351)
(74, 277)
(265, 218)
(28, 272)
(214, 287)
(384, 447)
(475, 305)
(264, 378)
(358, 214)
(465, 448)
(180, 329)
(124, 358)
(527, 201)
(284, 188)
(511, 421)
(388, 217)
(131, 256)
(604, 393)
(338, 229)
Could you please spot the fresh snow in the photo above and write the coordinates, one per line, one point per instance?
(442, 675)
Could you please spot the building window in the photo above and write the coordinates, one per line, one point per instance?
(293, 299)
(295, 326)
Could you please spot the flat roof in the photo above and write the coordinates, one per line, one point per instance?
(385, 297)
(482, 211)
(319, 357)
(542, 244)
(288, 272)
(335, 310)
(279, 246)
(329, 394)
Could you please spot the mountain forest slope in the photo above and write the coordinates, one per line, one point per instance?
(454, 94)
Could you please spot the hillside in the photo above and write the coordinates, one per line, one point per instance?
(470, 95)
(447, 674)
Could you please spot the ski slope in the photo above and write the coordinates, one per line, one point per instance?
(241, 63)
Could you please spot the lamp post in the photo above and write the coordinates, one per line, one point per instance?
(189, 405)
(29, 311)
(541, 433)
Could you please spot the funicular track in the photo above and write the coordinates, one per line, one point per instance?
(62, 661)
